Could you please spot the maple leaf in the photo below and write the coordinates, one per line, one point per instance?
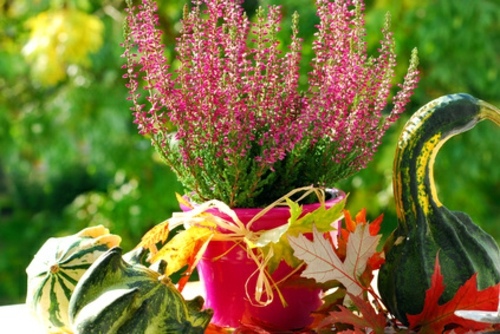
(323, 264)
(185, 248)
(322, 218)
(159, 233)
(435, 318)
(342, 239)
(360, 219)
(370, 319)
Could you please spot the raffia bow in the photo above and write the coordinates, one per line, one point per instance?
(253, 241)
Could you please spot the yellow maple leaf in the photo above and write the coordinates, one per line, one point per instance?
(157, 234)
(184, 249)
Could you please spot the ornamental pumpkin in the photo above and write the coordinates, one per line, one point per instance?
(55, 270)
(426, 228)
(115, 296)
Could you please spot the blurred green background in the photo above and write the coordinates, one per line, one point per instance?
(70, 156)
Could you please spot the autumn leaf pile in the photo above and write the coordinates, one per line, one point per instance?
(344, 264)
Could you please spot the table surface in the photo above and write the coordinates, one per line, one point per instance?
(18, 319)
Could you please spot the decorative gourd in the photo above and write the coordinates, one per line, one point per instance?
(115, 296)
(425, 227)
(55, 270)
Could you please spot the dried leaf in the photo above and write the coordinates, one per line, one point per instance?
(323, 264)
(268, 236)
(434, 318)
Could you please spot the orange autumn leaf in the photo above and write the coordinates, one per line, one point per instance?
(376, 224)
(374, 228)
(350, 224)
(376, 261)
(435, 318)
(361, 216)
(193, 259)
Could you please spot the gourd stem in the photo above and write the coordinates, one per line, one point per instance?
(490, 112)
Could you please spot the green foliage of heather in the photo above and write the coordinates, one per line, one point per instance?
(70, 156)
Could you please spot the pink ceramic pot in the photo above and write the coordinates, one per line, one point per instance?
(224, 280)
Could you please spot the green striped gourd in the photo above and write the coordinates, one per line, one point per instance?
(426, 227)
(115, 296)
(55, 270)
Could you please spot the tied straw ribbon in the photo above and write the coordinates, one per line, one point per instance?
(243, 236)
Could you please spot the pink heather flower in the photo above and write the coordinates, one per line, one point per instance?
(230, 120)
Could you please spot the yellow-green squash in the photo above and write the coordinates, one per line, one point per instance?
(56, 269)
(118, 297)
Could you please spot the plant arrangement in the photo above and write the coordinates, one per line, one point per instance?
(230, 120)
(231, 109)
(326, 248)
(345, 263)
(228, 117)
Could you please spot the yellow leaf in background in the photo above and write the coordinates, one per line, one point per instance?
(184, 248)
(60, 38)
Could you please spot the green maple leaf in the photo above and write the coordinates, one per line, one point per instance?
(322, 218)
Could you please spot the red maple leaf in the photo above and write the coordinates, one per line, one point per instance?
(435, 318)
(368, 318)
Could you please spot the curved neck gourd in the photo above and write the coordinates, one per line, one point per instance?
(418, 146)
(427, 230)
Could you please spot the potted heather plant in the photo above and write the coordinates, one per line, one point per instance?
(229, 119)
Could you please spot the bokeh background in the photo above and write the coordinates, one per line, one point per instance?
(70, 156)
